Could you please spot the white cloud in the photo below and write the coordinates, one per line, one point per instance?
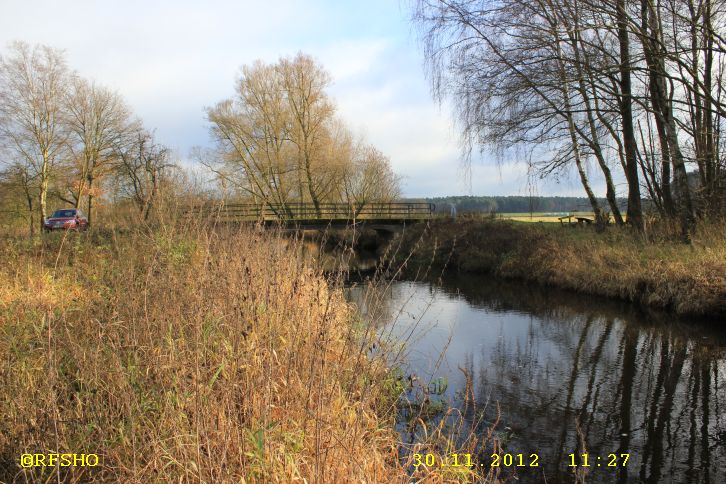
(351, 59)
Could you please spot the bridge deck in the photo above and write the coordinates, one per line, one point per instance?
(324, 214)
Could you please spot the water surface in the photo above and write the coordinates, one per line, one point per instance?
(641, 383)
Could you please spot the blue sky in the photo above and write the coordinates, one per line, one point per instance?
(170, 59)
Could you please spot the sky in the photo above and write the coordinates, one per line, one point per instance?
(171, 59)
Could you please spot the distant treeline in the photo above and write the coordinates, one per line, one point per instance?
(513, 204)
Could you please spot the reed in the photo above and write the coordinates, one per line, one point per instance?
(204, 356)
(193, 353)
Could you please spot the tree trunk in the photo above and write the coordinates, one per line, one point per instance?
(29, 198)
(572, 128)
(663, 108)
(651, 35)
(594, 140)
(586, 184)
(89, 213)
(313, 195)
(635, 212)
(709, 154)
(665, 175)
(42, 201)
(79, 196)
(685, 206)
(152, 196)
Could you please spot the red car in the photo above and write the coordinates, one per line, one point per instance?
(66, 219)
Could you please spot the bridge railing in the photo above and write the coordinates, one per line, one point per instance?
(308, 212)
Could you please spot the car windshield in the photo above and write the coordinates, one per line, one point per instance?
(64, 213)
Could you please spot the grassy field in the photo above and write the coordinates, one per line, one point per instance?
(197, 355)
(547, 217)
(654, 269)
(535, 217)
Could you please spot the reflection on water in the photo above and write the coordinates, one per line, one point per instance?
(644, 384)
(338, 259)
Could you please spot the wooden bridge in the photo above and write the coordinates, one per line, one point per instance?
(309, 215)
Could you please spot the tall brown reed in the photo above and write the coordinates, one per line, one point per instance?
(192, 350)
(201, 354)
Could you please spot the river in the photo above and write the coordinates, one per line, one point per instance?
(565, 374)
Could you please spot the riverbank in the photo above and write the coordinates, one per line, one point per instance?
(186, 356)
(663, 273)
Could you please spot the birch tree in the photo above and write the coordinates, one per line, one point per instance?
(625, 83)
(33, 83)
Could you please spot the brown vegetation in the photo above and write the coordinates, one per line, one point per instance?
(617, 263)
(205, 355)
(186, 357)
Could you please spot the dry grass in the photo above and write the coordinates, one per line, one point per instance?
(186, 356)
(656, 269)
(193, 355)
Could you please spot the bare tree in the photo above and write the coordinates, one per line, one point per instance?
(304, 82)
(369, 178)
(568, 14)
(661, 100)
(18, 189)
(141, 168)
(571, 79)
(514, 69)
(693, 45)
(252, 133)
(635, 212)
(33, 84)
(279, 140)
(98, 120)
